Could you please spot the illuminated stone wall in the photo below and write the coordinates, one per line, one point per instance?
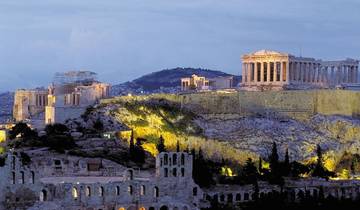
(296, 104)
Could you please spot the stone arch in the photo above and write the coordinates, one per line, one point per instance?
(130, 189)
(166, 172)
(43, 195)
(238, 197)
(88, 191)
(230, 198)
(166, 159)
(101, 191)
(182, 172)
(174, 159)
(156, 192)
(174, 172)
(22, 175)
(130, 174)
(13, 177)
(117, 190)
(74, 193)
(164, 208)
(142, 208)
(32, 178)
(142, 190)
(151, 208)
(182, 159)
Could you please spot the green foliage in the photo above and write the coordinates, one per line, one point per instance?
(319, 169)
(23, 130)
(202, 171)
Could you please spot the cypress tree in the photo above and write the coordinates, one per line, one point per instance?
(178, 146)
(161, 146)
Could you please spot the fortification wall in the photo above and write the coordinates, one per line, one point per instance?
(296, 104)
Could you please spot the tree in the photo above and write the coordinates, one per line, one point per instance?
(132, 145)
(250, 173)
(23, 130)
(177, 146)
(160, 145)
(202, 172)
(275, 176)
(260, 166)
(319, 170)
(286, 164)
(57, 128)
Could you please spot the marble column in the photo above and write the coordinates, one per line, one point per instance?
(256, 72)
(275, 71)
(287, 72)
(243, 73)
(262, 72)
(268, 72)
(356, 74)
(248, 70)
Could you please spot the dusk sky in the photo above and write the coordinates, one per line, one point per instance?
(124, 39)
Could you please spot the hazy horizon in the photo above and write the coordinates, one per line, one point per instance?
(122, 40)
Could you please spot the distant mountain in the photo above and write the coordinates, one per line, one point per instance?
(166, 81)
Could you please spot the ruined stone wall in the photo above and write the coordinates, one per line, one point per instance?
(296, 104)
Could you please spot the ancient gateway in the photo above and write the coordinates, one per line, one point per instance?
(270, 70)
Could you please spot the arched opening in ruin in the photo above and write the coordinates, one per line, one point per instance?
(130, 190)
(117, 190)
(230, 198)
(156, 192)
(43, 195)
(121, 208)
(151, 208)
(142, 208)
(13, 178)
(182, 172)
(22, 174)
(101, 191)
(74, 193)
(182, 159)
(131, 208)
(174, 172)
(142, 190)
(166, 172)
(88, 191)
(164, 208)
(174, 159)
(185, 208)
(32, 177)
(166, 159)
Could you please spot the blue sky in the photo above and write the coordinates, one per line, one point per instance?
(124, 39)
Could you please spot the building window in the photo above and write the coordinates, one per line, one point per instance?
(174, 159)
(166, 172)
(13, 180)
(101, 191)
(238, 197)
(32, 177)
(182, 172)
(75, 193)
(117, 190)
(246, 196)
(182, 159)
(88, 191)
(165, 159)
(142, 190)
(22, 177)
(174, 172)
(130, 190)
(156, 192)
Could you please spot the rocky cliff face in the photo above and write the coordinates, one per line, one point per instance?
(237, 137)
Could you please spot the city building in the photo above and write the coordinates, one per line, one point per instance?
(270, 70)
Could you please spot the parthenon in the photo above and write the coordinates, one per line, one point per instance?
(277, 71)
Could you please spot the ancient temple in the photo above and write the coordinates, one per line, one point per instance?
(271, 70)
